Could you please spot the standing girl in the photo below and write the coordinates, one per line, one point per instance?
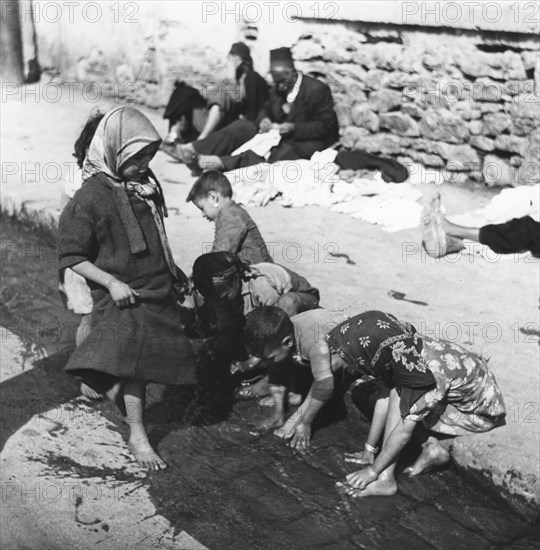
(112, 234)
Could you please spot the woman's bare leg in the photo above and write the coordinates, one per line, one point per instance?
(471, 233)
(134, 393)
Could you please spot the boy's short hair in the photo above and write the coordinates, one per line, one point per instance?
(266, 327)
(212, 180)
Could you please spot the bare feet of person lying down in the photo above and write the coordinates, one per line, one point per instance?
(381, 487)
(436, 242)
(210, 162)
(433, 455)
(141, 449)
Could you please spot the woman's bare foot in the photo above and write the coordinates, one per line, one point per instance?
(433, 455)
(90, 393)
(384, 487)
(210, 162)
(141, 449)
(435, 240)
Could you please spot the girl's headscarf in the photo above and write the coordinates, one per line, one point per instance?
(122, 133)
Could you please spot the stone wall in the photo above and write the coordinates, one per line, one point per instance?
(462, 101)
(450, 97)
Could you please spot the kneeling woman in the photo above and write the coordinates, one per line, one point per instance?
(446, 388)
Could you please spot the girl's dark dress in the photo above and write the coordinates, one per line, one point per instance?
(145, 341)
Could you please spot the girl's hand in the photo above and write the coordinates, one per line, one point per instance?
(363, 458)
(362, 478)
(122, 294)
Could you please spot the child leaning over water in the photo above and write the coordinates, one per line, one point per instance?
(236, 231)
(112, 234)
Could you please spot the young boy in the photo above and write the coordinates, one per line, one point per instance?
(235, 230)
(438, 385)
(272, 336)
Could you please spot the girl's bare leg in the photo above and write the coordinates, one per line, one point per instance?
(376, 429)
(134, 393)
(386, 484)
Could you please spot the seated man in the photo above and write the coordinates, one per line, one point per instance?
(300, 107)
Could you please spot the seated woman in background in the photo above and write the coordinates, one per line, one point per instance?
(224, 105)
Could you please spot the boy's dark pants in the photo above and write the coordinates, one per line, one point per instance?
(517, 235)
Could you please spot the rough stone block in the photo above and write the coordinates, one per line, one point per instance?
(412, 109)
(351, 135)
(498, 172)
(459, 157)
(443, 125)
(496, 123)
(343, 112)
(400, 124)
(373, 79)
(307, 49)
(483, 143)
(365, 118)
(512, 144)
(385, 100)
(475, 127)
(464, 109)
(487, 107)
(380, 143)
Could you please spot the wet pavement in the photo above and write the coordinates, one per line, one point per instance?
(231, 489)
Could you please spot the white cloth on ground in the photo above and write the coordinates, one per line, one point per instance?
(515, 202)
(316, 182)
(261, 143)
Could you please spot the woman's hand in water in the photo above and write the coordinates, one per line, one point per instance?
(122, 294)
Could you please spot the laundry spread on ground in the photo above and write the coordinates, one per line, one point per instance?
(317, 182)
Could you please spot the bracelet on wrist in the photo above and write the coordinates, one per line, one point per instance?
(370, 449)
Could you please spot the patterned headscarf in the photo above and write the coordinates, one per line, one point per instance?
(122, 133)
(377, 344)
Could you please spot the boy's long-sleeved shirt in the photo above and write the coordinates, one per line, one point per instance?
(237, 232)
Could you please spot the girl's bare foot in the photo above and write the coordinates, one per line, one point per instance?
(141, 449)
(90, 393)
(384, 487)
(433, 455)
